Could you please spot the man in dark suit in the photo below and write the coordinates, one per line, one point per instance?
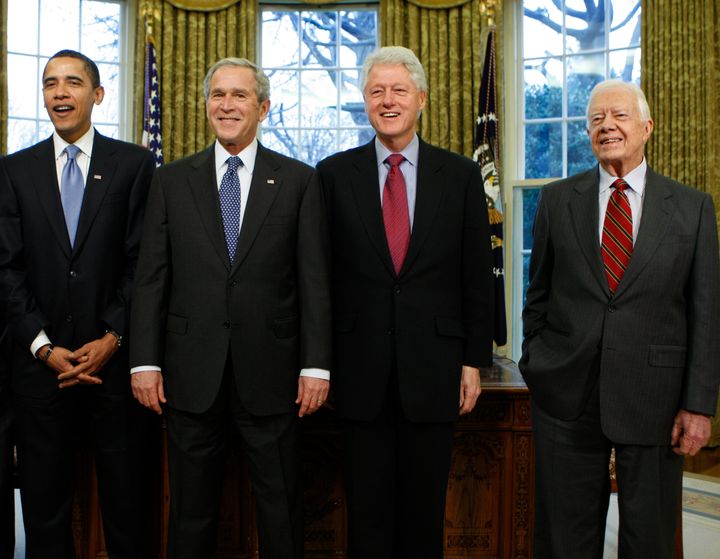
(412, 310)
(71, 210)
(232, 311)
(621, 339)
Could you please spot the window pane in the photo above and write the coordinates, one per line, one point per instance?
(108, 110)
(21, 133)
(352, 138)
(316, 144)
(283, 140)
(319, 99)
(543, 150)
(583, 72)
(22, 38)
(543, 88)
(101, 31)
(358, 36)
(625, 65)
(529, 204)
(284, 110)
(22, 86)
(625, 31)
(109, 130)
(579, 153)
(59, 26)
(542, 28)
(352, 104)
(585, 25)
(280, 39)
(319, 32)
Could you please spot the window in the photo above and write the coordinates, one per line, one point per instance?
(314, 61)
(564, 48)
(36, 30)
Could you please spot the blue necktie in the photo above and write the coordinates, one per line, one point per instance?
(230, 204)
(72, 188)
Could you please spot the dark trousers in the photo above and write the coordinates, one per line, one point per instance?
(396, 477)
(7, 497)
(48, 432)
(197, 447)
(573, 490)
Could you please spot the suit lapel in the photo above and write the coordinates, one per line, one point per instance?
(427, 200)
(202, 181)
(265, 185)
(657, 213)
(103, 164)
(44, 179)
(365, 188)
(583, 208)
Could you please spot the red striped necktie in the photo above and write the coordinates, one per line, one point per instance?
(617, 239)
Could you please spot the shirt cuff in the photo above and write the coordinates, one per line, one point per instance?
(315, 373)
(40, 340)
(143, 368)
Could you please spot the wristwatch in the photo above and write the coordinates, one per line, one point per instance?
(118, 337)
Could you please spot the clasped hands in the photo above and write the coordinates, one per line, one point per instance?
(81, 365)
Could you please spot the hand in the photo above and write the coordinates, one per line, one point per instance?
(59, 359)
(312, 393)
(469, 388)
(147, 387)
(89, 360)
(690, 432)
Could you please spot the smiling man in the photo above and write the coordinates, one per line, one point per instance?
(412, 312)
(71, 212)
(231, 321)
(621, 345)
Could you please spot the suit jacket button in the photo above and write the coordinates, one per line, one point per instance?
(390, 332)
(233, 283)
(226, 325)
(73, 274)
(396, 289)
(69, 318)
(612, 308)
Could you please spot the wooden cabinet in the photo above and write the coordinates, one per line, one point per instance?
(490, 492)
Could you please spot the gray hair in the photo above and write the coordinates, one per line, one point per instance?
(397, 55)
(642, 104)
(262, 83)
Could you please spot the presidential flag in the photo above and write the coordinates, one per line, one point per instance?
(152, 129)
(486, 155)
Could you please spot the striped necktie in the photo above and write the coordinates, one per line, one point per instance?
(617, 238)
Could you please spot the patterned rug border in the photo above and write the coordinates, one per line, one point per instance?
(703, 502)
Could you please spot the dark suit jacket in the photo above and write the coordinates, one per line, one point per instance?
(74, 294)
(271, 310)
(432, 318)
(654, 344)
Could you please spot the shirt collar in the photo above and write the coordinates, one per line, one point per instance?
(85, 143)
(247, 155)
(635, 178)
(410, 152)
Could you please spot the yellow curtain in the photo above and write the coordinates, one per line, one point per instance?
(448, 37)
(188, 42)
(3, 77)
(681, 78)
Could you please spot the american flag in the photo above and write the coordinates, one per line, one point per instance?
(486, 155)
(152, 129)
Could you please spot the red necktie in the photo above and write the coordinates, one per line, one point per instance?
(617, 239)
(395, 212)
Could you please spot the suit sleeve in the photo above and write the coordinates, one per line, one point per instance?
(313, 264)
(478, 293)
(703, 353)
(24, 318)
(116, 314)
(541, 268)
(150, 295)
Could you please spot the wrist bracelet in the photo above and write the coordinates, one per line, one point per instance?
(118, 337)
(47, 353)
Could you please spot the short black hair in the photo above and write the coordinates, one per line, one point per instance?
(90, 66)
